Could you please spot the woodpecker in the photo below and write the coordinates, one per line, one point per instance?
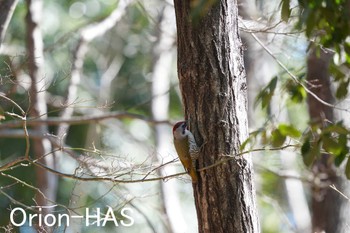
(186, 148)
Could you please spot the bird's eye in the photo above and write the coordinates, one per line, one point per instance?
(183, 128)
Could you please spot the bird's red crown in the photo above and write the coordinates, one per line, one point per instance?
(177, 125)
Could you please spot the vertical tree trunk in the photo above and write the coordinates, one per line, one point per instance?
(213, 84)
(45, 181)
(326, 203)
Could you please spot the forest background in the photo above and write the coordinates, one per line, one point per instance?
(101, 97)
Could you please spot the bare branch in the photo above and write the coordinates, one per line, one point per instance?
(227, 158)
(107, 178)
(14, 103)
(332, 186)
(23, 122)
(87, 34)
(295, 79)
(78, 120)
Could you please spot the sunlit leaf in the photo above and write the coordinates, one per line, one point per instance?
(289, 130)
(331, 145)
(277, 138)
(285, 10)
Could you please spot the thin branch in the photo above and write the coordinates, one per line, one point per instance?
(149, 222)
(105, 178)
(332, 186)
(227, 158)
(23, 122)
(33, 188)
(78, 120)
(14, 103)
(13, 163)
(25, 184)
(284, 175)
(231, 157)
(87, 34)
(14, 201)
(291, 74)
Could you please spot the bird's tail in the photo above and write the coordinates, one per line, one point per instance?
(193, 173)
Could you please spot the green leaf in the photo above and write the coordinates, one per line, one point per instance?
(347, 169)
(289, 130)
(277, 138)
(330, 145)
(343, 140)
(336, 128)
(266, 94)
(339, 159)
(342, 90)
(347, 47)
(306, 147)
(308, 158)
(309, 151)
(285, 11)
(244, 144)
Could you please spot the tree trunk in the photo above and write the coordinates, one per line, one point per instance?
(326, 203)
(46, 182)
(213, 85)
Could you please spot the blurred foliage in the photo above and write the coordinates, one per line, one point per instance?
(327, 25)
(127, 48)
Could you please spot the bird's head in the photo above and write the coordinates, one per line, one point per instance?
(180, 130)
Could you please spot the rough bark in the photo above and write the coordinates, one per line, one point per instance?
(213, 85)
(326, 202)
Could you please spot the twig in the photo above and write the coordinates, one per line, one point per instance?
(23, 122)
(78, 120)
(14, 201)
(292, 75)
(12, 163)
(231, 157)
(332, 186)
(14, 103)
(87, 34)
(104, 178)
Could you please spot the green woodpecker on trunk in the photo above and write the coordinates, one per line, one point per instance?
(186, 148)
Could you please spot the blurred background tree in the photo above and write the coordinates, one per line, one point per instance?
(99, 92)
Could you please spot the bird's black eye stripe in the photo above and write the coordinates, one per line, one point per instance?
(183, 128)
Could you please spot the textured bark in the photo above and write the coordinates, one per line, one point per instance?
(326, 203)
(213, 85)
